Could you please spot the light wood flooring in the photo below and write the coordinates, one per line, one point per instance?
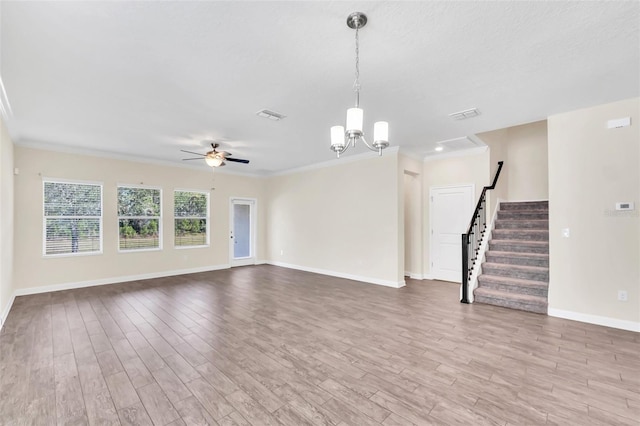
(263, 345)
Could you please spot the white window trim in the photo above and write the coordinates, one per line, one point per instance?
(44, 218)
(160, 227)
(207, 218)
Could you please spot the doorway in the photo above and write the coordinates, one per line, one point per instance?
(412, 225)
(242, 231)
(450, 212)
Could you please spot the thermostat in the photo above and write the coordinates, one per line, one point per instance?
(625, 206)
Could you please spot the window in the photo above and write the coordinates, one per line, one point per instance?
(139, 214)
(191, 211)
(72, 218)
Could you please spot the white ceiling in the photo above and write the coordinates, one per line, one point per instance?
(146, 79)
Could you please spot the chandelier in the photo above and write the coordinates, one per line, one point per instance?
(342, 140)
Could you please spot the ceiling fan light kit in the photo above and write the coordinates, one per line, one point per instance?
(215, 158)
(342, 140)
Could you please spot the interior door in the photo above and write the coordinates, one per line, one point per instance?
(451, 209)
(242, 232)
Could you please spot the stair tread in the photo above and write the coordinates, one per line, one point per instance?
(533, 242)
(519, 267)
(515, 220)
(544, 223)
(517, 254)
(523, 208)
(513, 281)
(534, 230)
(490, 292)
(545, 213)
(538, 202)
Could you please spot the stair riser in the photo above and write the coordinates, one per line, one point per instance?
(522, 261)
(516, 215)
(515, 273)
(525, 206)
(518, 248)
(530, 307)
(517, 289)
(513, 234)
(522, 224)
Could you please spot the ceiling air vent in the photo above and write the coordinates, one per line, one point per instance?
(463, 115)
(271, 115)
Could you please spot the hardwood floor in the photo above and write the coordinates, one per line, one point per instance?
(263, 345)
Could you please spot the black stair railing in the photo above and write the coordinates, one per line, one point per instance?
(473, 237)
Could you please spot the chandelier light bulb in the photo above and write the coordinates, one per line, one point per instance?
(337, 136)
(381, 131)
(355, 117)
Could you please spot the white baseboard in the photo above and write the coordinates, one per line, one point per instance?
(261, 262)
(5, 313)
(415, 276)
(115, 280)
(595, 319)
(387, 283)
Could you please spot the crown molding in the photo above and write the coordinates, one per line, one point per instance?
(411, 154)
(462, 153)
(124, 157)
(67, 149)
(332, 163)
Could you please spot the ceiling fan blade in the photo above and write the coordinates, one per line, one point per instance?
(237, 160)
(191, 152)
(187, 159)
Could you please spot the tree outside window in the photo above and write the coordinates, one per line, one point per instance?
(191, 211)
(72, 218)
(139, 218)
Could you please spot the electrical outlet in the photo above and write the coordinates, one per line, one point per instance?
(622, 295)
(566, 232)
(281, 252)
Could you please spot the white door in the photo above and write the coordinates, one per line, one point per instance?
(451, 209)
(242, 232)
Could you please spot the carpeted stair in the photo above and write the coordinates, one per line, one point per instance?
(516, 271)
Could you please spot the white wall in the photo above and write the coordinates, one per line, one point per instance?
(6, 221)
(527, 157)
(32, 270)
(590, 169)
(341, 220)
(525, 173)
(498, 142)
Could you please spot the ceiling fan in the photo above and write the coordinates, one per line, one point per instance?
(215, 158)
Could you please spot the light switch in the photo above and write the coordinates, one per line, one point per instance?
(566, 233)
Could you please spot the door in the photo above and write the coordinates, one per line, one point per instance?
(451, 209)
(242, 232)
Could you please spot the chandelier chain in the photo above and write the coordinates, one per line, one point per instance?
(356, 83)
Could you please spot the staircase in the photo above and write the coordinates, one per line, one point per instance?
(516, 271)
